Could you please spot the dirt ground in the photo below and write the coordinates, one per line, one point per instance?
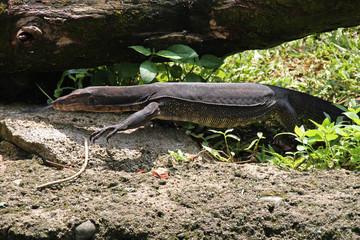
(199, 200)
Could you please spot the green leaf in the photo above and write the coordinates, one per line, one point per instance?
(178, 155)
(299, 131)
(353, 116)
(192, 77)
(220, 73)
(215, 153)
(251, 144)
(340, 106)
(301, 148)
(129, 70)
(228, 130)
(313, 133)
(212, 136)
(326, 122)
(58, 92)
(176, 71)
(100, 78)
(216, 131)
(331, 137)
(144, 51)
(148, 71)
(185, 52)
(234, 137)
(210, 61)
(168, 54)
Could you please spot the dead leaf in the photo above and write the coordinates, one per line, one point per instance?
(160, 173)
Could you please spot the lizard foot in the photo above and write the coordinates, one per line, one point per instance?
(95, 135)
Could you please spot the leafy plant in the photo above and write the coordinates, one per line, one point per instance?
(330, 146)
(226, 155)
(183, 64)
(76, 75)
(179, 155)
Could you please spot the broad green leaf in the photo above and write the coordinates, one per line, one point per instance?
(100, 78)
(299, 131)
(353, 116)
(142, 50)
(301, 148)
(312, 133)
(129, 69)
(176, 71)
(331, 137)
(210, 61)
(354, 127)
(192, 77)
(183, 51)
(326, 122)
(168, 54)
(220, 73)
(148, 71)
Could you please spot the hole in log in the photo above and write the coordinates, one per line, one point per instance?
(25, 36)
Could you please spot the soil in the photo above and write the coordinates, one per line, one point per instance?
(201, 199)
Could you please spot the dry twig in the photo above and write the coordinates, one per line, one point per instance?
(73, 176)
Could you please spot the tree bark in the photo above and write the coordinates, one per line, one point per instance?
(54, 35)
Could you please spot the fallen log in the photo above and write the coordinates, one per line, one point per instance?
(52, 35)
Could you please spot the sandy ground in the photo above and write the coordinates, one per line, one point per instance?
(199, 200)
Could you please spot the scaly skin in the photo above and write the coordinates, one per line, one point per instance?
(218, 105)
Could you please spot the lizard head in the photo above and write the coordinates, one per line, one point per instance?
(79, 100)
(100, 99)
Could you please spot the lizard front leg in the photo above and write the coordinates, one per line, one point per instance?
(134, 120)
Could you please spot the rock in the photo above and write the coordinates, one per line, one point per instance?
(17, 181)
(85, 231)
(59, 137)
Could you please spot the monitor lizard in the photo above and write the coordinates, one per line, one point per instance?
(217, 105)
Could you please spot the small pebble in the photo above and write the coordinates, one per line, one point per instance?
(85, 231)
(271, 199)
(3, 204)
(17, 181)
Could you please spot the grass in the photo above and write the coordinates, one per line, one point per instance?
(325, 65)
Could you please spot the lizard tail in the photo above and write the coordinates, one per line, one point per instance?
(310, 107)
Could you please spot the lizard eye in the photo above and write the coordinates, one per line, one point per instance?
(91, 100)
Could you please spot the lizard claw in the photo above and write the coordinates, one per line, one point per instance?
(95, 135)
